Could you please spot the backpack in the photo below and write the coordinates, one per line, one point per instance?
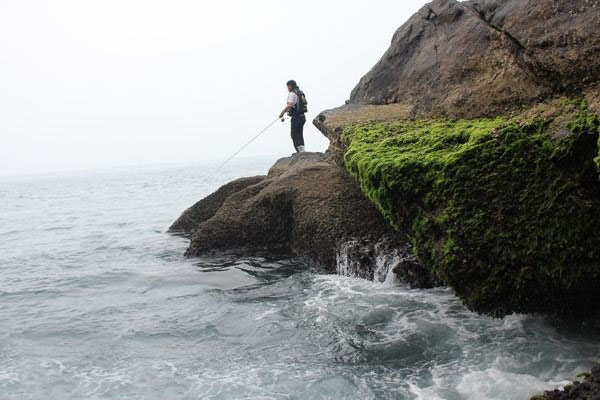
(301, 106)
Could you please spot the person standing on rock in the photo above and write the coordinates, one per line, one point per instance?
(296, 108)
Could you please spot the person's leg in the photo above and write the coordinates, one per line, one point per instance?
(295, 132)
(300, 141)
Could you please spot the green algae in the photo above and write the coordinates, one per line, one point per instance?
(504, 211)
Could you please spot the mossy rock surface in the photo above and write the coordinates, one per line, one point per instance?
(505, 211)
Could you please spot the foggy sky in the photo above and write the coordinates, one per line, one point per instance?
(94, 84)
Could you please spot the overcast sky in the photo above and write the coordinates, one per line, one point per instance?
(94, 84)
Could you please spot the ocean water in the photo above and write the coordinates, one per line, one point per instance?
(98, 302)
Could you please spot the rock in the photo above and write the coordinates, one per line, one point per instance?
(447, 135)
(483, 58)
(483, 152)
(307, 205)
(592, 97)
(589, 389)
(504, 210)
(382, 259)
(207, 207)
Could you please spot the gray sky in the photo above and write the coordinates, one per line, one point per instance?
(94, 84)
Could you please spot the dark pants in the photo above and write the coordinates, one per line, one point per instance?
(298, 122)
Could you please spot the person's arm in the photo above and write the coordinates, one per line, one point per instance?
(291, 103)
(286, 109)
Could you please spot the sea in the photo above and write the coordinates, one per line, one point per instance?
(97, 301)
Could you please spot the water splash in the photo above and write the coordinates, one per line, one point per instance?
(383, 261)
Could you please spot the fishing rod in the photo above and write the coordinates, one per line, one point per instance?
(247, 144)
(206, 178)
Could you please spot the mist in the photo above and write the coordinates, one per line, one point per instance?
(97, 84)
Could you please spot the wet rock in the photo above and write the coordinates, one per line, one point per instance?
(463, 65)
(307, 205)
(588, 389)
(207, 207)
(382, 261)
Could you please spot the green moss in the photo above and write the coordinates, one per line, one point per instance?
(578, 102)
(584, 121)
(584, 375)
(505, 212)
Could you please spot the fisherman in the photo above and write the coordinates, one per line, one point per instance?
(296, 108)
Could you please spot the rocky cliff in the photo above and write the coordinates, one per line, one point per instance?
(482, 58)
(470, 149)
(476, 135)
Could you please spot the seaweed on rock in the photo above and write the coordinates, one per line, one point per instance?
(504, 210)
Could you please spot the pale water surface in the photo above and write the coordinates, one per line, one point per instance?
(98, 302)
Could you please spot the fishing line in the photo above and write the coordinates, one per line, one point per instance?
(245, 145)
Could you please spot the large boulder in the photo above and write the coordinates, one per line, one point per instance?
(207, 207)
(482, 58)
(307, 205)
(504, 210)
(476, 135)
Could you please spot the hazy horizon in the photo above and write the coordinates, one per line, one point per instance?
(89, 85)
